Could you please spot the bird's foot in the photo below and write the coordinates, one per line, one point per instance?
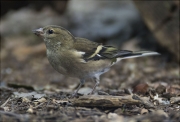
(92, 92)
(74, 95)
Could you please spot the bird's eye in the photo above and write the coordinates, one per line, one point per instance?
(50, 31)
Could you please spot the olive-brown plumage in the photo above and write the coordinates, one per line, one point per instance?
(79, 57)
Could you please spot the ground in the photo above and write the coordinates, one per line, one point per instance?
(141, 89)
(145, 89)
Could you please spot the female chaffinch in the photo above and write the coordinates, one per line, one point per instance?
(79, 57)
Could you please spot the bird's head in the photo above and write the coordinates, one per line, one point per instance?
(55, 36)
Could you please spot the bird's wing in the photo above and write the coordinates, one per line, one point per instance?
(94, 51)
(85, 45)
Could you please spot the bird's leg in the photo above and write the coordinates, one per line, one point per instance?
(97, 83)
(81, 83)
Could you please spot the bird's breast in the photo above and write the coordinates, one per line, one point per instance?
(70, 65)
(56, 60)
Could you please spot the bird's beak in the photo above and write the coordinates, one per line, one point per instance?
(38, 32)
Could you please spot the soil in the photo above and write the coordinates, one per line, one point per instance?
(31, 90)
(145, 89)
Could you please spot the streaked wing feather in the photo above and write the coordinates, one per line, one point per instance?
(94, 51)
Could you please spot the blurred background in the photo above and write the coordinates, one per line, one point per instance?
(128, 24)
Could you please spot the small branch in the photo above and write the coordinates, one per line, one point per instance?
(175, 100)
(108, 101)
(5, 102)
(38, 105)
(24, 117)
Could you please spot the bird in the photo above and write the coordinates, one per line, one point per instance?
(79, 57)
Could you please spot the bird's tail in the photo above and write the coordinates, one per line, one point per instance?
(137, 54)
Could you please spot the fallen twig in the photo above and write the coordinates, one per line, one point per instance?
(22, 117)
(108, 101)
(5, 102)
(175, 100)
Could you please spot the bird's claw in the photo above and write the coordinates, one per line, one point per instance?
(73, 95)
